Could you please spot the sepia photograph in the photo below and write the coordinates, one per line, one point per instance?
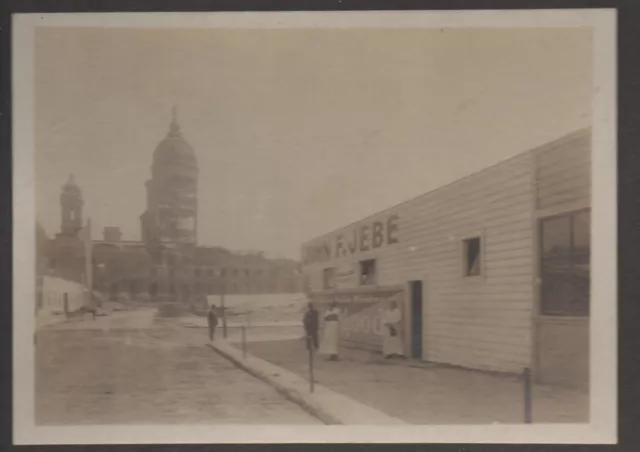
(315, 227)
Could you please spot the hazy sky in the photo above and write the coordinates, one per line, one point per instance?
(297, 132)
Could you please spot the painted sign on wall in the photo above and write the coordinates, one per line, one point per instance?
(361, 238)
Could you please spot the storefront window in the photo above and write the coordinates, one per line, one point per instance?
(565, 265)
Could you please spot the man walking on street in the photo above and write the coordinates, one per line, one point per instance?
(212, 319)
(311, 325)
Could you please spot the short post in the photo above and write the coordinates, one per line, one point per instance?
(526, 381)
(66, 304)
(224, 316)
(310, 348)
(244, 342)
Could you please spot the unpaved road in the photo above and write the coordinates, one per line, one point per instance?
(134, 368)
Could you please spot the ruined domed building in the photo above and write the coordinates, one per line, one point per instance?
(166, 264)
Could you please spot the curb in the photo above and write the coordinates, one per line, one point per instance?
(328, 406)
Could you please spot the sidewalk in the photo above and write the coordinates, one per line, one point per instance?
(422, 393)
(326, 405)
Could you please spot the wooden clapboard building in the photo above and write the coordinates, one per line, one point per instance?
(492, 270)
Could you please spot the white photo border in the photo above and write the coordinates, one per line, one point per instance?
(602, 428)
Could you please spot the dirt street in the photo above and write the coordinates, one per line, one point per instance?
(424, 393)
(134, 368)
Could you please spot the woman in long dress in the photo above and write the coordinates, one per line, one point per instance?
(392, 339)
(330, 337)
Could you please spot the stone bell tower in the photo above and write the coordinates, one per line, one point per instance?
(71, 203)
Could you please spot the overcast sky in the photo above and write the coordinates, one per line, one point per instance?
(297, 132)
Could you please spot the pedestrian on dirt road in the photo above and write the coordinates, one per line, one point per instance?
(311, 324)
(212, 320)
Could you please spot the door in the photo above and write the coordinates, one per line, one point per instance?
(416, 319)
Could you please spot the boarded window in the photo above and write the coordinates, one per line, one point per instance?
(565, 264)
(329, 278)
(472, 257)
(368, 272)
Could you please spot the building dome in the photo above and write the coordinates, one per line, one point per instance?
(174, 149)
(70, 188)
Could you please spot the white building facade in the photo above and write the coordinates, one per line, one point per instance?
(492, 271)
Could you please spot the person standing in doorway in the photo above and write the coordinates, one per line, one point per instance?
(331, 334)
(392, 339)
(212, 320)
(311, 321)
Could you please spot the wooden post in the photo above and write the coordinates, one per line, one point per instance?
(526, 381)
(66, 304)
(310, 348)
(224, 314)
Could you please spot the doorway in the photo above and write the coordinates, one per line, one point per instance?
(416, 319)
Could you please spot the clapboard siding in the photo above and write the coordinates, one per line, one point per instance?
(563, 183)
(482, 322)
(563, 172)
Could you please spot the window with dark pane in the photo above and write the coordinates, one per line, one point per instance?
(472, 255)
(565, 264)
(368, 272)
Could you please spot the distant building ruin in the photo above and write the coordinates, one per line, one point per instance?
(167, 264)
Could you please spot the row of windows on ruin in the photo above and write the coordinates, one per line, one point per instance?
(134, 287)
(224, 272)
